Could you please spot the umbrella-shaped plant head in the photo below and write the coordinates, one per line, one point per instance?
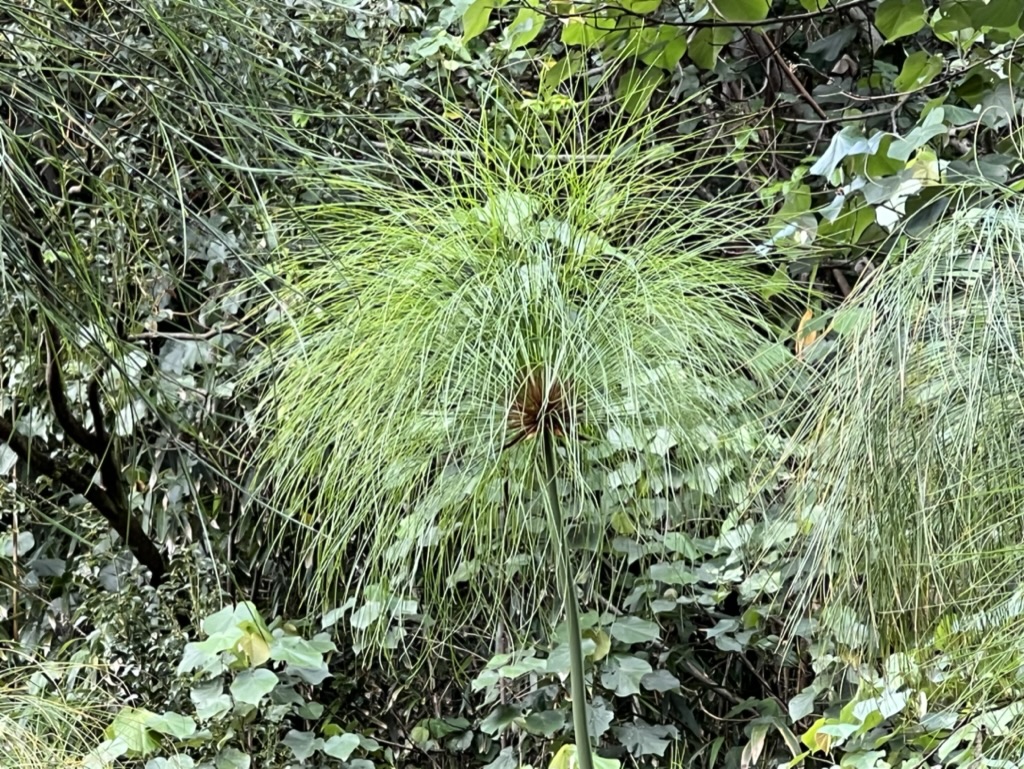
(457, 348)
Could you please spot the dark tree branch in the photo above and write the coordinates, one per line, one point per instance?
(68, 422)
(34, 454)
(111, 499)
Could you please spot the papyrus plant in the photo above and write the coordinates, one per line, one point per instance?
(454, 343)
(911, 482)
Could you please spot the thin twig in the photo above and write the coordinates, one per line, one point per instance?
(757, 39)
(187, 336)
(890, 113)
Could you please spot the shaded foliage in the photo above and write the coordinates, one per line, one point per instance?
(145, 148)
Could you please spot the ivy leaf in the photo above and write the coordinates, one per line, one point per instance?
(681, 543)
(802, 705)
(210, 700)
(752, 750)
(254, 645)
(643, 739)
(296, 651)
(230, 619)
(866, 759)
(599, 717)
(506, 759)
(706, 45)
(340, 746)
(657, 46)
(625, 674)
(635, 89)
(933, 125)
(232, 758)
(849, 141)
(173, 724)
(919, 70)
(302, 744)
(253, 685)
(499, 718)
(674, 573)
(476, 18)
(545, 722)
(1002, 14)
(25, 541)
(660, 681)
(633, 630)
(899, 18)
(586, 31)
(641, 6)
(527, 24)
(131, 727)
(602, 643)
(743, 10)
(172, 762)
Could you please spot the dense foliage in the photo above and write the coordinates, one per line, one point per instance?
(223, 539)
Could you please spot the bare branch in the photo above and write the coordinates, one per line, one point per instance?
(34, 455)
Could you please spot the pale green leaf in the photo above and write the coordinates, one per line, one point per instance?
(341, 746)
(232, 758)
(527, 24)
(173, 724)
(624, 674)
(251, 686)
(634, 630)
(802, 705)
(302, 744)
(545, 722)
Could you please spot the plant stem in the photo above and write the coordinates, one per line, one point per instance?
(577, 682)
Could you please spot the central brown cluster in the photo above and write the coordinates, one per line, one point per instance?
(541, 402)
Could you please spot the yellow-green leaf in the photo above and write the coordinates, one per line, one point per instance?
(253, 645)
(1001, 14)
(641, 6)
(706, 44)
(527, 24)
(899, 18)
(661, 46)
(919, 70)
(555, 72)
(586, 31)
(636, 87)
(476, 18)
(130, 726)
(602, 643)
(743, 10)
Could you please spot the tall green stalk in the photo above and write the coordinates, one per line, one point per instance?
(577, 679)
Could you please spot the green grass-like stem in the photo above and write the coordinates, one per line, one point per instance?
(577, 683)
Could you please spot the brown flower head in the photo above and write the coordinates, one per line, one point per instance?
(541, 402)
